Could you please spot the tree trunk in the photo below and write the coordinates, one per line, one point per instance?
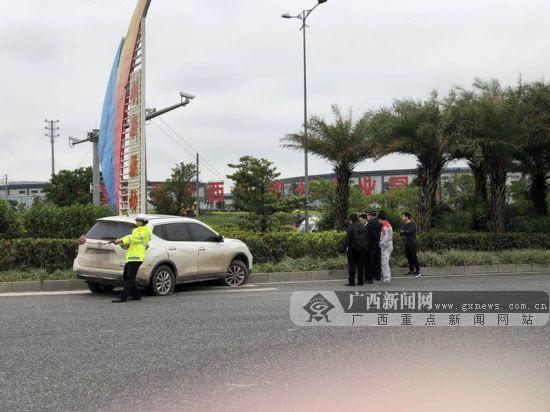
(428, 176)
(343, 176)
(538, 192)
(497, 202)
(480, 179)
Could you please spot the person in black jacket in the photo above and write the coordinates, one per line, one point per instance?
(356, 243)
(374, 253)
(408, 232)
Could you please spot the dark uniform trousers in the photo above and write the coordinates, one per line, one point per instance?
(412, 259)
(372, 263)
(356, 265)
(129, 279)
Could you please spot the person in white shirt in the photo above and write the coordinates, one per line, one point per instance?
(386, 246)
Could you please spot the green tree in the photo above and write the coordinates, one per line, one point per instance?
(254, 192)
(423, 129)
(10, 222)
(324, 191)
(343, 144)
(494, 121)
(70, 187)
(533, 157)
(177, 194)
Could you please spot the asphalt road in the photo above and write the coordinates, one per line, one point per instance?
(210, 348)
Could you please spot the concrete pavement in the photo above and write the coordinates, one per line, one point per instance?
(205, 348)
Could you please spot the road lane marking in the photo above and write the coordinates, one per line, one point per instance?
(85, 292)
(230, 290)
(66, 292)
(466, 275)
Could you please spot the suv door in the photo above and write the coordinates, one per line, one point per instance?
(181, 250)
(213, 255)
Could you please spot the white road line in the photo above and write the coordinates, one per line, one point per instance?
(232, 290)
(85, 292)
(68, 292)
(421, 277)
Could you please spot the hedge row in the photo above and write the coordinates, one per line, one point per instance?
(50, 254)
(273, 247)
(49, 221)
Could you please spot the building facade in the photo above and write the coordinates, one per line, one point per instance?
(372, 182)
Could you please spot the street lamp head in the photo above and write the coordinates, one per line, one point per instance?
(287, 15)
(322, 1)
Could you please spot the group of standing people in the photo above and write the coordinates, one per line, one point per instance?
(369, 244)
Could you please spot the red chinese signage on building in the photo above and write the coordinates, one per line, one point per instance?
(367, 185)
(300, 188)
(214, 192)
(278, 186)
(398, 182)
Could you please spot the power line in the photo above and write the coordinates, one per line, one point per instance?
(172, 138)
(192, 153)
(85, 156)
(211, 167)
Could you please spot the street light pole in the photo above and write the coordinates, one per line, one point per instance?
(303, 17)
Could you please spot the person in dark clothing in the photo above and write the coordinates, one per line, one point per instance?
(374, 253)
(356, 243)
(363, 219)
(408, 232)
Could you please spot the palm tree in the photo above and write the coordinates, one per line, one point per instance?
(343, 144)
(420, 128)
(533, 158)
(495, 125)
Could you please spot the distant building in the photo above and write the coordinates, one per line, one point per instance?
(211, 194)
(372, 182)
(23, 192)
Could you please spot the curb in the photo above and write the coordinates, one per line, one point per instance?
(426, 271)
(43, 286)
(278, 277)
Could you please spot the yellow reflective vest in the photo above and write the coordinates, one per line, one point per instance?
(138, 241)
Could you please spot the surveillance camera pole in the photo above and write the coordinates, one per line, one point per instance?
(152, 113)
(93, 137)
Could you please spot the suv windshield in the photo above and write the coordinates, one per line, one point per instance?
(105, 230)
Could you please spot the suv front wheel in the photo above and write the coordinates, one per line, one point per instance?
(237, 274)
(162, 281)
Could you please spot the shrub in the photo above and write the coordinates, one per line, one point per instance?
(47, 254)
(10, 222)
(68, 222)
(436, 249)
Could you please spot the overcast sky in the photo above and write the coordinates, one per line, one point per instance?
(244, 64)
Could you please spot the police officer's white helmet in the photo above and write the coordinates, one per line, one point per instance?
(142, 218)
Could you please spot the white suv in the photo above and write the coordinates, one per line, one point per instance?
(181, 250)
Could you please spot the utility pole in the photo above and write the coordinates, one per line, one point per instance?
(52, 128)
(198, 187)
(6, 182)
(93, 137)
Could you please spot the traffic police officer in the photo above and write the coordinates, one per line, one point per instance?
(136, 243)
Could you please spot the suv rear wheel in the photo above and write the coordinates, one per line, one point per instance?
(237, 274)
(100, 289)
(162, 281)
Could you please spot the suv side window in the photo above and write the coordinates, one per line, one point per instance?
(201, 234)
(158, 230)
(176, 232)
